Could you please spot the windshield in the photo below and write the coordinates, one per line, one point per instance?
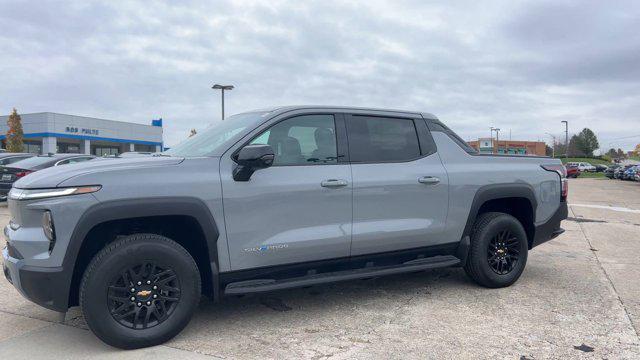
(31, 162)
(206, 142)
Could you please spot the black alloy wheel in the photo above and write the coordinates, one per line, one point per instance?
(143, 296)
(498, 253)
(503, 252)
(140, 290)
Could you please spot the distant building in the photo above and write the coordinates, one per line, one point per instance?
(490, 145)
(60, 133)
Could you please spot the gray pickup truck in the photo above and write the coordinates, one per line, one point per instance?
(271, 200)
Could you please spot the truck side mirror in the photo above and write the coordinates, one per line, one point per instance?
(251, 158)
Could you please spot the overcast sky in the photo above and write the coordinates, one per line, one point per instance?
(522, 66)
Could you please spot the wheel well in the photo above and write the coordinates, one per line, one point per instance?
(518, 207)
(185, 230)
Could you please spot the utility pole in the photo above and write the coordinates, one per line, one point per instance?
(222, 88)
(566, 138)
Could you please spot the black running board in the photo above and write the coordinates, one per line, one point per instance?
(263, 285)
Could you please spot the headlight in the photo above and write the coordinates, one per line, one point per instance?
(29, 194)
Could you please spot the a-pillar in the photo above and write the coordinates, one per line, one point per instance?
(49, 145)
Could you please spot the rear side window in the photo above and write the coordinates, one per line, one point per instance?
(437, 126)
(381, 139)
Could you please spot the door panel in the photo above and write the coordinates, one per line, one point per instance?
(394, 210)
(298, 210)
(400, 187)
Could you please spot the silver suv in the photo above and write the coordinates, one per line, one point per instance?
(269, 200)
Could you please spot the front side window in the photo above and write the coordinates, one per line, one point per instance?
(380, 139)
(302, 140)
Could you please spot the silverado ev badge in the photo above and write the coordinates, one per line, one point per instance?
(264, 248)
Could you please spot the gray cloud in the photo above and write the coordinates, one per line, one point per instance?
(522, 67)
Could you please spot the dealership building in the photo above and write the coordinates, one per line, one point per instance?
(49, 132)
(493, 146)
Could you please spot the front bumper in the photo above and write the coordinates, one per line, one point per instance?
(42, 285)
(551, 228)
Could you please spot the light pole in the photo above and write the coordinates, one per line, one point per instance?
(222, 88)
(566, 138)
(493, 148)
(553, 147)
(497, 130)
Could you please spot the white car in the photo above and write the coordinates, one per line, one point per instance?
(583, 166)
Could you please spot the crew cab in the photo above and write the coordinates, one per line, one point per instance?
(269, 200)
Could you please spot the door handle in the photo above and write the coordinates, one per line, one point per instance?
(333, 183)
(429, 180)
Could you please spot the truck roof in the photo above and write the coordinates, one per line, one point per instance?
(282, 109)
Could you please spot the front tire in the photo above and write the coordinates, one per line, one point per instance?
(140, 291)
(498, 252)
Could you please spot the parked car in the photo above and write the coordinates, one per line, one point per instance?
(7, 158)
(572, 170)
(10, 173)
(630, 173)
(611, 170)
(271, 200)
(585, 166)
(617, 174)
(600, 167)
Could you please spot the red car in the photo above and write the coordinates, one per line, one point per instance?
(572, 171)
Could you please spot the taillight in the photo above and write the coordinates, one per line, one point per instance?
(564, 183)
(23, 173)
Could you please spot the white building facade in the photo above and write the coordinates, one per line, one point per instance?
(60, 133)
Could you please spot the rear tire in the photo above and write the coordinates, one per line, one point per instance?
(498, 252)
(140, 291)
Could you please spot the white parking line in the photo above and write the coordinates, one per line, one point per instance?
(613, 208)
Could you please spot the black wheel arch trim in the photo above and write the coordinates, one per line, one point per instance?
(495, 192)
(137, 208)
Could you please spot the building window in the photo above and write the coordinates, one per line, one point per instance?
(144, 148)
(106, 151)
(33, 148)
(68, 148)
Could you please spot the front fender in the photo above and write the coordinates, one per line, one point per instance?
(137, 208)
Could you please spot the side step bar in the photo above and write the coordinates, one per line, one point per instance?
(263, 285)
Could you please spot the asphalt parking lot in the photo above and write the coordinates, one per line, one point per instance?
(578, 298)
